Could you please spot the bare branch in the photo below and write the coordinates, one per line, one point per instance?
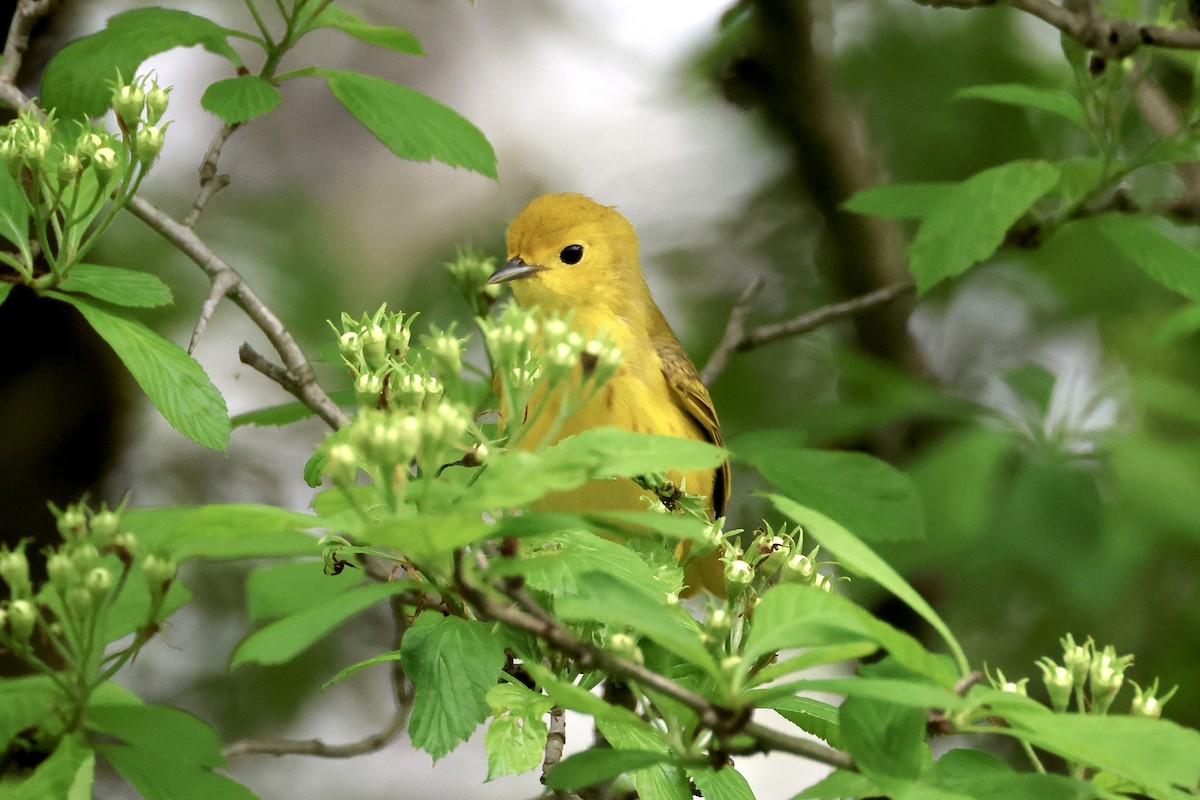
(737, 339)
(1110, 38)
(556, 740)
(316, 747)
(735, 329)
(726, 723)
(27, 14)
(300, 380)
(220, 287)
(211, 181)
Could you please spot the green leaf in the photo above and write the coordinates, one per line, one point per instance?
(863, 494)
(229, 531)
(617, 604)
(384, 36)
(970, 221)
(412, 125)
(897, 691)
(130, 611)
(173, 380)
(288, 412)
(283, 640)
(599, 765)
(556, 563)
(515, 741)
(576, 698)
(280, 590)
(898, 200)
(884, 739)
(1178, 325)
(664, 781)
(170, 779)
(240, 99)
(1152, 753)
(721, 784)
(5, 288)
(519, 477)
(381, 658)
(77, 81)
(452, 663)
(1059, 102)
(67, 773)
(1162, 258)
(982, 776)
(792, 615)
(122, 287)
(14, 212)
(807, 714)
(24, 702)
(160, 733)
(840, 785)
(858, 559)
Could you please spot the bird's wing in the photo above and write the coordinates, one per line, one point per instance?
(693, 399)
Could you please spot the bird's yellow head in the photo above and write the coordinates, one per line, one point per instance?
(567, 252)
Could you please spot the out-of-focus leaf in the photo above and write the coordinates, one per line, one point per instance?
(664, 781)
(382, 35)
(412, 125)
(279, 590)
(1162, 258)
(223, 531)
(599, 765)
(1059, 102)
(970, 220)
(66, 773)
(898, 200)
(885, 739)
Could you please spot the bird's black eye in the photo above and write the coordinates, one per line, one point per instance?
(571, 254)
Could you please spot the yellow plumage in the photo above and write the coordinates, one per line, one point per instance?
(568, 253)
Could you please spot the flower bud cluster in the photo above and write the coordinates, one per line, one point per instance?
(375, 349)
(773, 553)
(470, 271)
(387, 442)
(139, 106)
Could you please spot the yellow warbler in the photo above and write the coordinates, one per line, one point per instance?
(569, 254)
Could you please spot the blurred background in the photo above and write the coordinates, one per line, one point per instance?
(1050, 424)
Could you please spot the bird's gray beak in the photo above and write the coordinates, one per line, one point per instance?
(513, 269)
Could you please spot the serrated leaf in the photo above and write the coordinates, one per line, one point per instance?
(412, 125)
(599, 765)
(14, 212)
(1059, 102)
(1162, 258)
(223, 531)
(554, 564)
(284, 639)
(173, 380)
(898, 200)
(721, 784)
(792, 616)
(664, 781)
(237, 100)
(277, 591)
(382, 35)
(858, 559)
(121, 287)
(864, 494)
(611, 602)
(452, 663)
(982, 776)
(381, 658)
(516, 737)
(77, 80)
(568, 695)
(1153, 753)
(66, 773)
(806, 713)
(970, 221)
(839, 785)
(884, 739)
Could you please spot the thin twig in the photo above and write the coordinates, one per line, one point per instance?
(300, 380)
(219, 287)
(27, 13)
(316, 747)
(735, 329)
(556, 740)
(737, 339)
(724, 722)
(1110, 38)
(211, 181)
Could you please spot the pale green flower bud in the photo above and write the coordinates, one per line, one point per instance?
(148, 143)
(350, 347)
(14, 569)
(105, 162)
(1077, 659)
(61, 571)
(104, 525)
(799, 568)
(125, 544)
(341, 464)
(1059, 683)
(79, 601)
(398, 336)
(625, 645)
(738, 573)
(69, 167)
(128, 101)
(156, 102)
(72, 522)
(1145, 704)
(159, 572)
(98, 581)
(22, 616)
(368, 387)
(84, 557)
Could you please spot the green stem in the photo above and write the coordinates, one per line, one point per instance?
(268, 42)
